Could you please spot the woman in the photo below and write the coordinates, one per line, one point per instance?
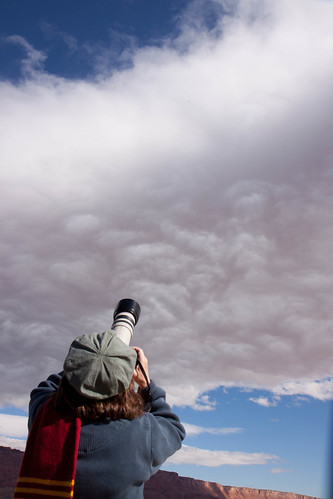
(99, 432)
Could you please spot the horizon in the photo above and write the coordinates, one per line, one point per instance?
(180, 153)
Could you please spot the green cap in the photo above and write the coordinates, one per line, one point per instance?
(99, 365)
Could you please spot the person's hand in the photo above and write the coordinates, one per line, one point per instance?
(138, 376)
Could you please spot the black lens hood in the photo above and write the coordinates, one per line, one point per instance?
(130, 306)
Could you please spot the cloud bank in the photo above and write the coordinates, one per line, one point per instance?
(215, 458)
(13, 431)
(14, 426)
(199, 182)
(194, 430)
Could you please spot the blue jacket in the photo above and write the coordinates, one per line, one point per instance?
(116, 458)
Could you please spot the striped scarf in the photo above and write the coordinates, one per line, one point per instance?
(49, 462)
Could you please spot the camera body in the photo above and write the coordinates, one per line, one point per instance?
(125, 317)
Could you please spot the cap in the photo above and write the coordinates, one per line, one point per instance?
(99, 365)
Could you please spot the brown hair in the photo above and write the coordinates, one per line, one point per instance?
(126, 405)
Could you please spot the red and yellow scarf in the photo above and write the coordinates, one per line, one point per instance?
(49, 462)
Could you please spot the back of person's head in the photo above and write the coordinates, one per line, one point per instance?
(126, 405)
(97, 381)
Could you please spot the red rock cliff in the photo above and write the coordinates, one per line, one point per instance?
(10, 462)
(166, 485)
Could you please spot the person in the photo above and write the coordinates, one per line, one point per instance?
(91, 432)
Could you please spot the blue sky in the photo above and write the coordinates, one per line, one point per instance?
(179, 153)
(65, 31)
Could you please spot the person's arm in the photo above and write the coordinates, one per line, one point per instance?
(41, 394)
(167, 432)
(141, 378)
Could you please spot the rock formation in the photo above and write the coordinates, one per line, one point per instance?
(10, 462)
(168, 485)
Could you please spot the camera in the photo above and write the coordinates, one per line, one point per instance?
(125, 317)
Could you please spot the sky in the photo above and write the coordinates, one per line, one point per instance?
(179, 153)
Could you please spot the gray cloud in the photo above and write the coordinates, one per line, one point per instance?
(198, 182)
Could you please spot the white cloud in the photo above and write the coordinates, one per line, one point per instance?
(33, 62)
(264, 401)
(198, 182)
(278, 471)
(194, 430)
(13, 426)
(318, 389)
(203, 403)
(214, 458)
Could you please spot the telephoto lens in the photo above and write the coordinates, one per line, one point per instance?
(125, 317)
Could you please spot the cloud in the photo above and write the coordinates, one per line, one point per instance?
(204, 403)
(318, 389)
(13, 431)
(264, 401)
(194, 430)
(278, 471)
(214, 458)
(197, 181)
(13, 426)
(51, 31)
(33, 63)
